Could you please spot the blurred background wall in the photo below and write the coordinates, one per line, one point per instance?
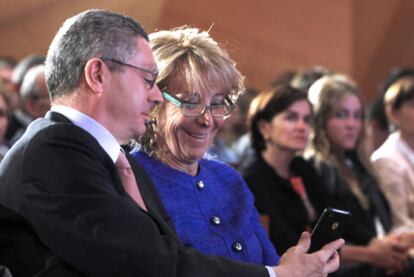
(363, 39)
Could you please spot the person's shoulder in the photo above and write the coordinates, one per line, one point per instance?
(140, 155)
(44, 135)
(388, 150)
(299, 165)
(147, 161)
(45, 129)
(254, 168)
(219, 170)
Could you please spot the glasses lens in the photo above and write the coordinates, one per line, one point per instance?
(192, 109)
(218, 111)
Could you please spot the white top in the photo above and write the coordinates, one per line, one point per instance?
(105, 139)
(394, 165)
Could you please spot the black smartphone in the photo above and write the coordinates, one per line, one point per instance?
(331, 226)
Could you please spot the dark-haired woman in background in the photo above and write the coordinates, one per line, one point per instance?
(284, 185)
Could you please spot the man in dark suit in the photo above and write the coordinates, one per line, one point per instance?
(64, 209)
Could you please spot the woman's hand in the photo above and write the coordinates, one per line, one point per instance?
(387, 253)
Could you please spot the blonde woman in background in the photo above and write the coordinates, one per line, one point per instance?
(337, 154)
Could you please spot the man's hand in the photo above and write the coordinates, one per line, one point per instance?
(296, 262)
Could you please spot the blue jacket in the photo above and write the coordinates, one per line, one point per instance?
(214, 211)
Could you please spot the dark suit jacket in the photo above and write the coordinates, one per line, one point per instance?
(65, 213)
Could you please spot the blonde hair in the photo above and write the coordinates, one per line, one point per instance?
(192, 57)
(325, 94)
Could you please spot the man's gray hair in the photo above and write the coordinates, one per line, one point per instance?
(93, 33)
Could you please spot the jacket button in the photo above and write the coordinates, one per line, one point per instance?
(215, 220)
(237, 247)
(200, 185)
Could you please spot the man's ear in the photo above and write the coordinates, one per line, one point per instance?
(95, 72)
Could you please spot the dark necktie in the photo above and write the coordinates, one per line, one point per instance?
(128, 179)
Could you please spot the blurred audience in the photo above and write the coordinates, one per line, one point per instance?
(349, 181)
(22, 67)
(221, 148)
(230, 142)
(377, 129)
(7, 65)
(394, 160)
(284, 185)
(3, 123)
(284, 77)
(34, 103)
(304, 78)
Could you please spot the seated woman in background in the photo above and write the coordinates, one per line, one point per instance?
(210, 205)
(394, 160)
(284, 185)
(349, 183)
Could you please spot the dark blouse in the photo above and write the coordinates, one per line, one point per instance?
(276, 198)
(362, 228)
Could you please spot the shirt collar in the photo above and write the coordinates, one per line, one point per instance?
(105, 139)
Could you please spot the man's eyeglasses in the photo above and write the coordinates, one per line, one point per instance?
(149, 82)
(219, 111)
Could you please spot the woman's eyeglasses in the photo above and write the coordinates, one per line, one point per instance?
(219, 111)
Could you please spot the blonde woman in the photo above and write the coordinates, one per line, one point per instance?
(336, 152)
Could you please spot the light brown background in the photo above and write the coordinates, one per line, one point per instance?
(362, 38)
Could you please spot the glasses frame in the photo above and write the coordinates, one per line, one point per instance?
(154, 74)
(177, 102)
